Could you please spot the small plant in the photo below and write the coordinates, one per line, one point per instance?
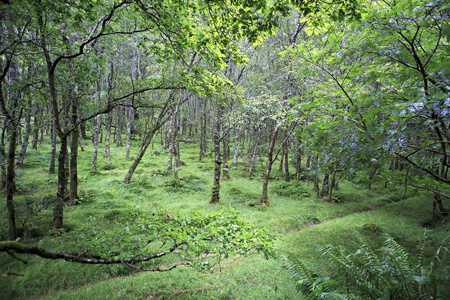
(291, 189)
(365, 274)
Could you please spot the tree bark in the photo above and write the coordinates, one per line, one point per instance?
(286, 161)
(236, 148)
(10, 183)
(215, 197)
(51, 169)
(203, 130)
(73, 177)
(96, 132)
(170, 136)
(26, 137)
(129, 119)
(3, 160)
(107, 152)
(264, 199)
(119, 127)
(34, 143)
(175, 147)
(226, 155)
(58, 211)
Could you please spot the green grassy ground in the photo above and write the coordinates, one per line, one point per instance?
(301, 221)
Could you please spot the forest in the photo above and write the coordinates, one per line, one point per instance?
(228, 149)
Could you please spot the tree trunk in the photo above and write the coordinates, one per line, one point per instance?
(170, 136)
(203, 130)
(51, 169)
(96, 132)
(58, 211)
(119, 127)
(175, 144)
(325, 185)
(3, 160)
(286, 161)
(34, 143)
(26, 137)
(215, 197)
(236, 148)
(130, 116)
(226, 155)
(252, 160)
(107, 152)
(147, 141)
(10, 184)
(73, 177)
(298, 159)
(264, 199)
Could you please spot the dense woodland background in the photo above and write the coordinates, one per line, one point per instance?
(153, 135)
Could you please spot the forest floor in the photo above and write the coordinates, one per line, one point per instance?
(300, 220)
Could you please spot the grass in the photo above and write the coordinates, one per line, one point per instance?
(301, 221)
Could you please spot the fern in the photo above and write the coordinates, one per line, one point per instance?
(386, 273)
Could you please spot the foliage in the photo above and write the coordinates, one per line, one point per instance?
(201, 239)
(291, 189)
(386, 273)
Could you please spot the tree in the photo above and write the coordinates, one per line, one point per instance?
(379, 91)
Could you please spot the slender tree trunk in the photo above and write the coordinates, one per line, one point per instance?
(73, 177)
(203, 130)
(298, 159)
(96, 132)
(325, 185)
(129, 119)
(264, 199)
(286, 161)
(107, 152)
(171, 142)
(226, 155)
(80, 139)
(147, 141)
(252, 160)
(236, 148)
(51, 169)
(26, 137)
(34, 143)
(58, 211)
(119, 127)
(3, 160)
(175, 144)
(215, 197)
(10, 184)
